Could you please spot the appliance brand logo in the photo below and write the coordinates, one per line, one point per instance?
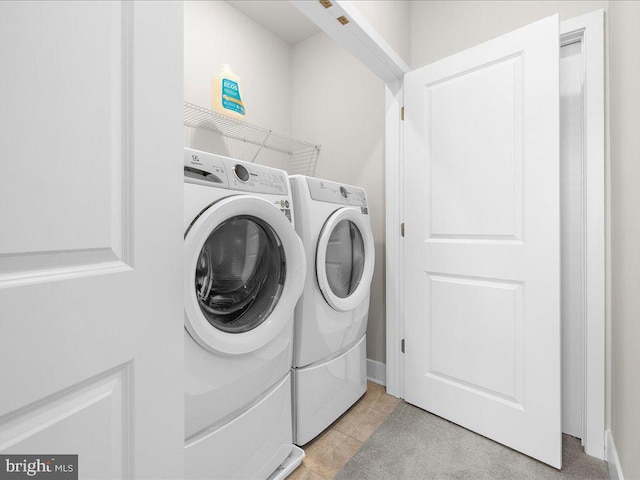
(231, 85)
(50, 467)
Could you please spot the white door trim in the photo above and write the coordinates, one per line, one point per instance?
(394, 153)
(589, 30)
(366, 44)
(356, 36)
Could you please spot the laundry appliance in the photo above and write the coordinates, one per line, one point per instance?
(331, 316)
(244, 269)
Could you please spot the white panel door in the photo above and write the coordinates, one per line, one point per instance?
(91, 319)
(482, 246)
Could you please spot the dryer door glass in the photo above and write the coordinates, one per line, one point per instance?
(344, 259)
(240, 274)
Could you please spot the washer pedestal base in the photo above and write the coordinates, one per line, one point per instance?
(251, 446)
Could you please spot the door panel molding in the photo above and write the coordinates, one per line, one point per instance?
(449, 321)
(108, 395)
(503, 78)
(126, 234)
(19, 270)
(69, 258)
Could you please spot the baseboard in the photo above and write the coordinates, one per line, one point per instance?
(377, 372)
(611, 455)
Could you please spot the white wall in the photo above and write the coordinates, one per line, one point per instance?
(624, 37)
(217, 33)
(392, 20)
(442, 28)
(340, 104)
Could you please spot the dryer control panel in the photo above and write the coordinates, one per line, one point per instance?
(325, 191)
(224, 172)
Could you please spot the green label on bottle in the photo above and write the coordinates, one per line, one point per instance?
(231, 96)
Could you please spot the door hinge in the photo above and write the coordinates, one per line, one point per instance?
(402, 113)
(402, 229)
(402, 345)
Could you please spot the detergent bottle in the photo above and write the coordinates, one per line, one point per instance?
(225, 93)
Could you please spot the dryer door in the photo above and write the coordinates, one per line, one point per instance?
(345, 259)
(244, 271)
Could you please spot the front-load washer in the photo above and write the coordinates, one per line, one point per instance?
(331, 316)
(244, 269)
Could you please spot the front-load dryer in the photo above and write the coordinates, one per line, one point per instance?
(244, 268)
(331, 316)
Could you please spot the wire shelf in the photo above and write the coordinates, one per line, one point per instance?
(254, 143)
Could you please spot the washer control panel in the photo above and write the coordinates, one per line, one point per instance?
(326, 191)
(225, 172)
(249, 177)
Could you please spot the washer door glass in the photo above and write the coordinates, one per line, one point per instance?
(240, 274)
(344, 259)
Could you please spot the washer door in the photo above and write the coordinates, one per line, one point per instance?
(345, 259)
(244, 271)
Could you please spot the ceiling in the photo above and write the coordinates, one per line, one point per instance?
(279, 17)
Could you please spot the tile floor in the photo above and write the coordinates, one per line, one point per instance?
(333, 448)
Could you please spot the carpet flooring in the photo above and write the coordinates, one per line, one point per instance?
(414, 444)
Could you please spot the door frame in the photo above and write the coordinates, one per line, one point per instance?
(366, 44)
(589, 31)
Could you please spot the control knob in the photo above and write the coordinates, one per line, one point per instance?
(241, 172)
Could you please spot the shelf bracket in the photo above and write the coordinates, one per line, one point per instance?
(264, 142)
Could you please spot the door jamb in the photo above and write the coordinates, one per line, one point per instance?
(366, 44)
(394, 165)
(589, 30)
